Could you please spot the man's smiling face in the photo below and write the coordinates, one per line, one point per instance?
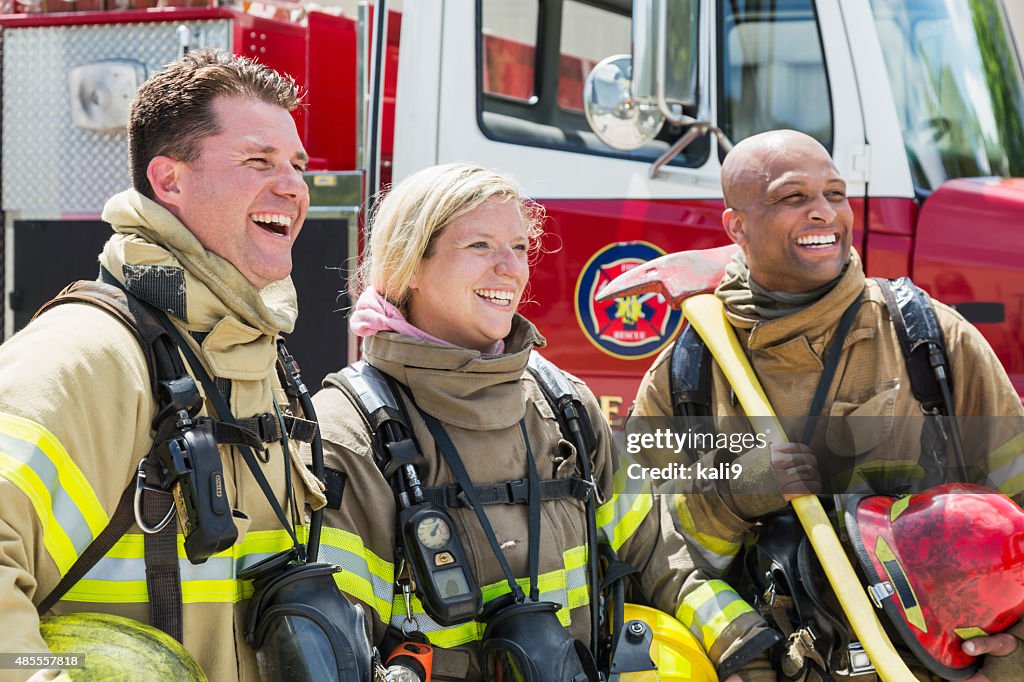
(244, 197)
(789, 212)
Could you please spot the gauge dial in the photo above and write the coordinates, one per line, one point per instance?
(433, 532)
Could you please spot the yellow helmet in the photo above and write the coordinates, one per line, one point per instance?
(676, 652)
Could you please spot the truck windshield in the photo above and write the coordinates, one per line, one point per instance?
(957, 86)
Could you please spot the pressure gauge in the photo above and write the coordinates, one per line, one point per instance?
(433, 532)
(441, 572)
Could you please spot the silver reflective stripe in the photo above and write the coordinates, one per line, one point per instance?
(576, 578)
(353, 563)
(553, 377)
(370, 386)
(112, 569)
(1001, 478)
(65, 511)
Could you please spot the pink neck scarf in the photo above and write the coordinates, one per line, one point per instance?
(373, 313)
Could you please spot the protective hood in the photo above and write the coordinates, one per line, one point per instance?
(946, 564)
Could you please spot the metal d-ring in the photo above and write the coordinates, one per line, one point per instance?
(140, 477)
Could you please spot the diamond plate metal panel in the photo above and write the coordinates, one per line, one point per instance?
(51, 167)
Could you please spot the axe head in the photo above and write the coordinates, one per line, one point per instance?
(676, 276)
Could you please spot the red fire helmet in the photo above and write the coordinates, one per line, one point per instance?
(946, 564)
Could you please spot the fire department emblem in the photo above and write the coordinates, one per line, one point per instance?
(632, 327)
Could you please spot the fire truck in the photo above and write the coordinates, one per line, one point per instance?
(613, 114)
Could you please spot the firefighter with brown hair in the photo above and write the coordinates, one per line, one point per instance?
(445, 461)
(204, 235)
(787, 293)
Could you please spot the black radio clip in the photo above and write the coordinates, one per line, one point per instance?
(185, 463)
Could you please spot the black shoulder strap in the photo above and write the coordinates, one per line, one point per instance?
(577, 429)
(919, 334)
(690, 375)
(916, 327)
(167, 372)
(562, 396)
(162, 358)
(371, 391)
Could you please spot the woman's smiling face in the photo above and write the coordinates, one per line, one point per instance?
(468, 287)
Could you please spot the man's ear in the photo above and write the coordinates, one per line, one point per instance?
(163, 175)
(734, 226)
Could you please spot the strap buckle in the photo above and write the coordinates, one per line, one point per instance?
(879, 592)
(269, 427)
(583, 488)
(517, 492)
(858, 660)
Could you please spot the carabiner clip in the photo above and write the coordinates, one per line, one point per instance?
(409, 625)
(140, 485)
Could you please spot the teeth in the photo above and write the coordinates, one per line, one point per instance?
(496, 296)
(272, 218)
(817, 240)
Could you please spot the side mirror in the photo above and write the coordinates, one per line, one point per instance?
(665, 42)
(627, 101)
(614, 115)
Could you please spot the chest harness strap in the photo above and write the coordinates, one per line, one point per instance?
(177, 398)
(458, 469)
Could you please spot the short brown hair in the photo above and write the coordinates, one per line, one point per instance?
(173, 113)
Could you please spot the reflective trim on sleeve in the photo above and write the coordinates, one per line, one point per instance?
(709, 609)
(895, 472)
(619, 517)
(553, 586)
(120, 576)
(716, 551)
(35, 462)
(364, 575)
(1006, 467)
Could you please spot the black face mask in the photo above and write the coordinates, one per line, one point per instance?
(301, 626)
(525, 642)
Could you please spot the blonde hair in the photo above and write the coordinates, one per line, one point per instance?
(409, 220)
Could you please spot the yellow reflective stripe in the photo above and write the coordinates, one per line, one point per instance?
(709, 609)
(552, 586)
(365, 575)
(625, 513)
(120, 576)
(1007, 452)
(576, 589)
(854, 479)
(1006, 467)
(56, 541)
(1012, 486)
(227, 591)
(718, 551)
(34, 461)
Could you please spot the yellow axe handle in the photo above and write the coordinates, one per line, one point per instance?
(707, 315)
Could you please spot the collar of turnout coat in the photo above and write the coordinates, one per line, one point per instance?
(813, 321)
(459, 386)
